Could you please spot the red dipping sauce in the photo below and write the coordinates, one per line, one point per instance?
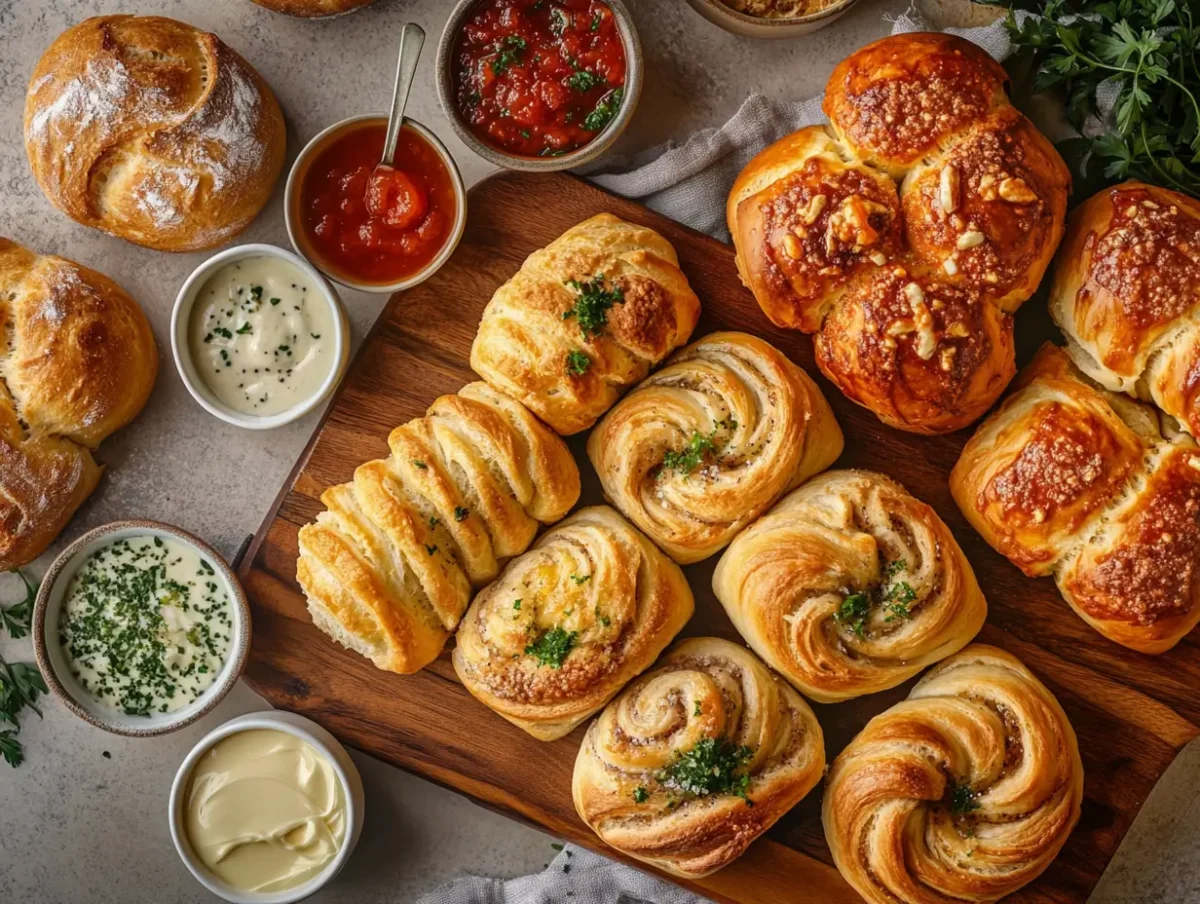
(539, 78)
(373, 227)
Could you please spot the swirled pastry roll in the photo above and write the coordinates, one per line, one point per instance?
(849, 586)
(706, 444)
(583, 319)
(1071, 480)
(389, 567)
(697, 758)
(569, 623)
(965, 791)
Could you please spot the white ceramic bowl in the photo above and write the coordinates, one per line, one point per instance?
(325, 744)
(181, 349)
(757, 27)
(53, 662)
(291, 205)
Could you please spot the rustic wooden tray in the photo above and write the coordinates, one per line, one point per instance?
(1132, 713)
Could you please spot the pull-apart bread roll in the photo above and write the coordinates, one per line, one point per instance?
(965, 791)
(906, 234)
(80, 363)
(1068, 479)
(389, 567)
(569, 623)
(153, 131)
(849, 586)
(583, 319)
(697, 758)
(1127, 295)
(706, 444)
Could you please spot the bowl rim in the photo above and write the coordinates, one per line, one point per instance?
(181, 350)
(311, 733)
(758, 23)
(58, 574)
(295, 229)
(634, 74)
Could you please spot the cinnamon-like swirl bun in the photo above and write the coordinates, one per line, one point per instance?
(697, 758)
(849, 586)
(706, 444)
(963, 792)
(568, 623)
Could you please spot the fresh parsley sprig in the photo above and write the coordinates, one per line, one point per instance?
(16, 618)
(20, 686)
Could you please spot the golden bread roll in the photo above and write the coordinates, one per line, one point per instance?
(697, 758)
(1125, 295)
(389, 567)
(81, 363)
(906, 233)
(583, 319)
(1068, 479)
(153, 131)
(849, 586)
(569, 623)
(707, 443)
(311, 9)
(965, 791)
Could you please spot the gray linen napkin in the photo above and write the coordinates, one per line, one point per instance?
(689, 183)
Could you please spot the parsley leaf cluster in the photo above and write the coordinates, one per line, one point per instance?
(892, 594)
(712, 766)
(20, 682)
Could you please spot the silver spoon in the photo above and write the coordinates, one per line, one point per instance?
(412, 39)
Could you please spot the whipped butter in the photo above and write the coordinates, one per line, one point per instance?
(264, 810)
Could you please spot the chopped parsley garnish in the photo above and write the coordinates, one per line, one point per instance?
(689, 458)
(420, 465)
(510, 54)
(596, 20)
(584, 80)
(315, 335)
(256, 293)
(517, 605)
(275, 301)
(433, 522)
(577, 362)
(431, 549)
(603, 619)
(223, 332)
(640, 795)
(592, 303)
(892, 595)
(20, 685)
(713, 766)
(699, 709)
(963, 800)
(605, 110)
(553, 647)
(15, 619)
(581, 578)
(244, 328)
(208, 337)
(460, 513)
(853, 613)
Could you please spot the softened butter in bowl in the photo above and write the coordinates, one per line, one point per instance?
(264, 810)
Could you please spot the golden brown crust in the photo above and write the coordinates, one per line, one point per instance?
(759, 424)
(153, 131)
(791, 580)
(528, 331)
(820, 225)
(311, 9)
(593, 578)
(978, 729)
(1068, 479)
(389, 567)
(703, 689)
(80, 364)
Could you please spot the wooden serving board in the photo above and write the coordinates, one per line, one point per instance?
(1132, 712)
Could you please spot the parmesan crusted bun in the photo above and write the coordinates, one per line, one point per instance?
(152, 131)
(313, 9)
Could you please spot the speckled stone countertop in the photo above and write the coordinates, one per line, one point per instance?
(85, 819)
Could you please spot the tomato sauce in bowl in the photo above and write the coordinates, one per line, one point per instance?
(539, 78)
(376, 227)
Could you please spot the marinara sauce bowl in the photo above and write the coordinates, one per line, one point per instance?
(448, 46)
(308, 245)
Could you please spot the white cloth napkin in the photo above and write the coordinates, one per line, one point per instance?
(688, 182)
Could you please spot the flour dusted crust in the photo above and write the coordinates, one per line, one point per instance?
(311, 9)
(1071, 480)
(906, 233)
(80, 362)
(153, 131)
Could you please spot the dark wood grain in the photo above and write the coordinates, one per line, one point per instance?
(1132, 712)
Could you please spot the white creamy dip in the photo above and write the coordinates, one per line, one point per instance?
(261, 335)
(145, 625)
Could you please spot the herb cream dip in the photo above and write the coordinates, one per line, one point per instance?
(261, 335)
(145, 625)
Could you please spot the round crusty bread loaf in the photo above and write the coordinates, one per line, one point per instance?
(313, 9)
(79, 363)
(153, 131)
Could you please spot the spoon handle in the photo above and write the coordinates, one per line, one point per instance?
(412, 39)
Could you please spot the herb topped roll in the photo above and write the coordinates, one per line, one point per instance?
(849, 586)
(697, 758)
(570, 622)
(583, 319)
(709, 442)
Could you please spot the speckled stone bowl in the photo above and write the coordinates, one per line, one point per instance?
(53, 664)
(634, 71)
